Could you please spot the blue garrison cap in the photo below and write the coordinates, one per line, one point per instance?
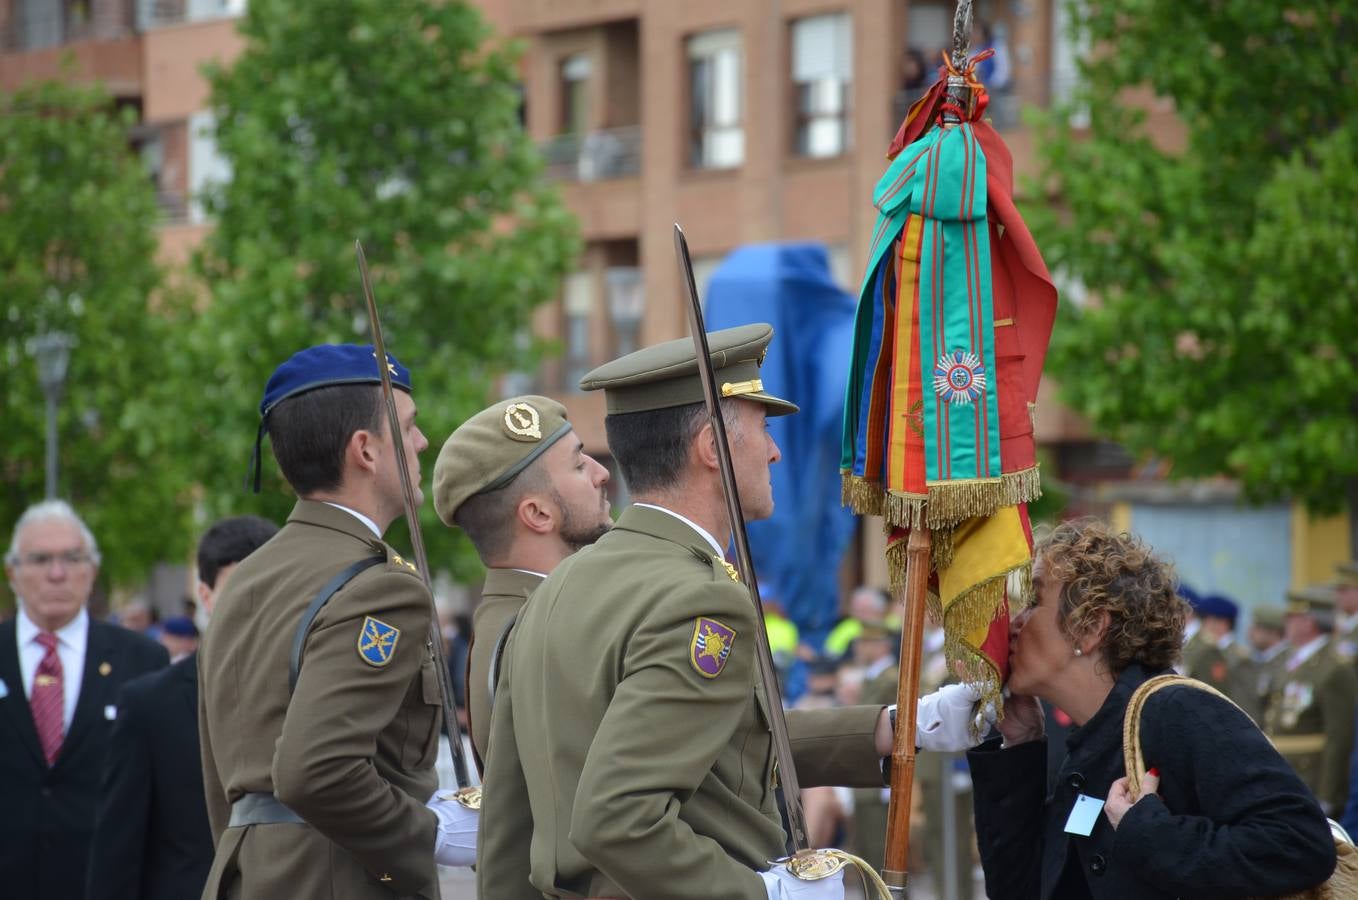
(1219, 607)
(324, 365)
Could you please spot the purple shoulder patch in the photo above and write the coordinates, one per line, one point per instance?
(710, 647)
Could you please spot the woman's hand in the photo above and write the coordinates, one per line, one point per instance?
(1120, 796)
(1023, 720)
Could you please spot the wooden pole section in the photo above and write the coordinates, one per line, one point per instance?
(894, 873)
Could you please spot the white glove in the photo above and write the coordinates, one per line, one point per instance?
(783, 885)
(944, 718)
(455, 840)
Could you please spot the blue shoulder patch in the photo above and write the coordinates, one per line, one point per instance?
(377, 641)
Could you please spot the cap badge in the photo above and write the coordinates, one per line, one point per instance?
(390, 367)
(710, 647)
(523, 422)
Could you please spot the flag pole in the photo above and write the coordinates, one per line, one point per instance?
(895, 870)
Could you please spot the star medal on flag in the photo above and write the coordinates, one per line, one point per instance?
(959, 378)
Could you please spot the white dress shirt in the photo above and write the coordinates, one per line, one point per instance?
(71, 640)
(372, 526)
(716, 548)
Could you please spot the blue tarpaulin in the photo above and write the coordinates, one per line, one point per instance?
(797, 553)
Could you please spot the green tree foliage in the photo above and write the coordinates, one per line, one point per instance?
(77, 249)
(1222, 330)
(395, 122)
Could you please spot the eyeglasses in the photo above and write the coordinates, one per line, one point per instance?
(70, 558)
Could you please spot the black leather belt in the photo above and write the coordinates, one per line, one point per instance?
(261, 809)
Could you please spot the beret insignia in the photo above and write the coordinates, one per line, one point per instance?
(523, 422)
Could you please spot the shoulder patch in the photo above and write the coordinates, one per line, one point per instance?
(377, 641)
(710, 646)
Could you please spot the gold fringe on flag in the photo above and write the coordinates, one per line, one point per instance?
(862, 496)
(952, 501)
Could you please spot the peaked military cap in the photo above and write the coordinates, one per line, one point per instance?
(1315, 598)
(323, 365)
(1269, 617)
(666, 375)
(489, 450)
(1348, 572)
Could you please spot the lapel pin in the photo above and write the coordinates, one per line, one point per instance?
(105, 668)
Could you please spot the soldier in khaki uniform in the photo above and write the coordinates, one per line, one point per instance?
(1346, 616)
(515, 477)
(323, 789)
(1310, 716)
(1268, 649)
(632, 754)
(1219, 659)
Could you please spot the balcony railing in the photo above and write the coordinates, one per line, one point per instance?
(594, 156)
(56, 24)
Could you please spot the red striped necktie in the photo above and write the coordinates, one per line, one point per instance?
(48, 698)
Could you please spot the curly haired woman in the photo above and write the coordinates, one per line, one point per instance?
(1227, 818)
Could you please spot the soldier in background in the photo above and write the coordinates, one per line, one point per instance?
(1311, 708)
(1268, 648)
(1346, 615)
(1219, 659)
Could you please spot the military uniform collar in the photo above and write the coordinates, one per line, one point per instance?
(1306, 651)
(326, 515)
(693, 526)
(510, 583)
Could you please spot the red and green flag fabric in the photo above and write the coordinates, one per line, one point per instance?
(954, 316)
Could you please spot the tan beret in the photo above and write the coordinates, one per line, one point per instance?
(488, 450)
(666, 375)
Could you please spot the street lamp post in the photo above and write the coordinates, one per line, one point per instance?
(53, 352)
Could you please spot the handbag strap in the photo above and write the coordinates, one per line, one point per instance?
(1131, 724)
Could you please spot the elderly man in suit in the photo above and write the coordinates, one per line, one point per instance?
(60, 672)
(151, 836)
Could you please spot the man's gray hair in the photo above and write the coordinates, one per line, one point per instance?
(46, 511)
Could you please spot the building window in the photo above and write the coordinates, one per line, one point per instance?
(575, 71)
(577, 302)
(717, 138)
(822, 79)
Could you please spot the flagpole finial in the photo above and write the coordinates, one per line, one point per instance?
(961, 46)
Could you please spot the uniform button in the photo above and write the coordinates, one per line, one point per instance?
(1097, 864)
(1076, 780)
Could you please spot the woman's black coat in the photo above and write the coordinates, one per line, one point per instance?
(1231, 819)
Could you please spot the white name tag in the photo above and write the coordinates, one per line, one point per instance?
(110, 712)
(1084, 815)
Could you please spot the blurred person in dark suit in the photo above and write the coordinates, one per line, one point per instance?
(60, 672)
(151, 838)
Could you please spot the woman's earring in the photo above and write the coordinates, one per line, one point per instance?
(1079, 652)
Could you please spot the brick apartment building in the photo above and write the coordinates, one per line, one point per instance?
(744, 120)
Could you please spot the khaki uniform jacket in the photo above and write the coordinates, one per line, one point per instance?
(635, 771)
(1230, 671)
(1310, 720)
(503, 595)
(352, 751)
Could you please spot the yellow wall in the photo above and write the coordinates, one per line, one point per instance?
(1319, 543)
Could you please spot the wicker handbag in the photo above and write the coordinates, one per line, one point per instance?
(1342, 885)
